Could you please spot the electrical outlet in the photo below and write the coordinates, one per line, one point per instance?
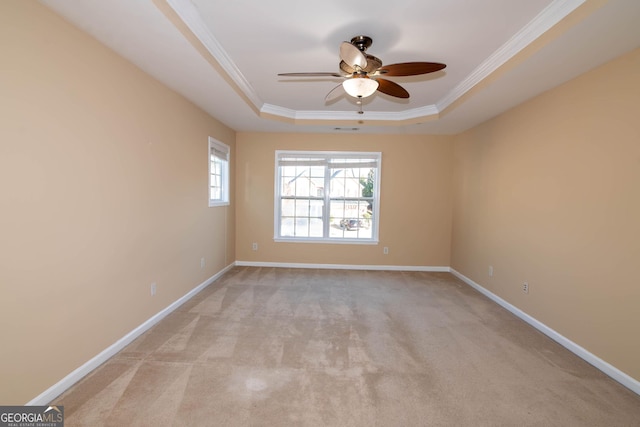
(525, 287)
(385, 250)
(491, 271)
(153, 289)
(201, 262)
(254, 246)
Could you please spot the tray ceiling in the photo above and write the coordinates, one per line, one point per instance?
(225, 56)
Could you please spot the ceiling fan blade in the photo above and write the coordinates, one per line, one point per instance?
(334, 93)
(312, 74)
(352, 55)
(410, 68)
(392, 88)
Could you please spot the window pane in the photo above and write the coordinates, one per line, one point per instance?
(215, 194)
(286, 227)
(288, 207)
(215, 166)
(301, 227)
(317, 172)
(287, 179)
(315, 227)
(316, 208)
(302, 208)
(341, 209)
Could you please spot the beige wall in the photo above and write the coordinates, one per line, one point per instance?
(103, 180)
(103, 184)
(415, 209)
(549, 193)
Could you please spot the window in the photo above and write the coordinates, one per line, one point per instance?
(327, 196)
(218, 173)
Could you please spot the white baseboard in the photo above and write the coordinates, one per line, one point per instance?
(343, 266)
(75, 376)
(610, 370)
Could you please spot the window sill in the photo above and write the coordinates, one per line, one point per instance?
(326, 241)
(214, 204)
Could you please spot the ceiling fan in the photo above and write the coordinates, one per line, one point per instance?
(363, 72)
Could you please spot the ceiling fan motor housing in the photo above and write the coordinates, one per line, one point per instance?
(362, 42)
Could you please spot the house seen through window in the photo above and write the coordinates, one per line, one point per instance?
(327, 196)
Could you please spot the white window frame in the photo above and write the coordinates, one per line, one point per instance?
(324, 158)
(220, 153)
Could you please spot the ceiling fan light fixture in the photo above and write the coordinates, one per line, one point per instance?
(360, 86)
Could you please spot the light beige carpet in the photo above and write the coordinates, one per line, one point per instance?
(280, 347)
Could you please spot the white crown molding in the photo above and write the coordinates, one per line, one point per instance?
(277, 110)
(393, 116)
(192, 19)
(544, 21)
